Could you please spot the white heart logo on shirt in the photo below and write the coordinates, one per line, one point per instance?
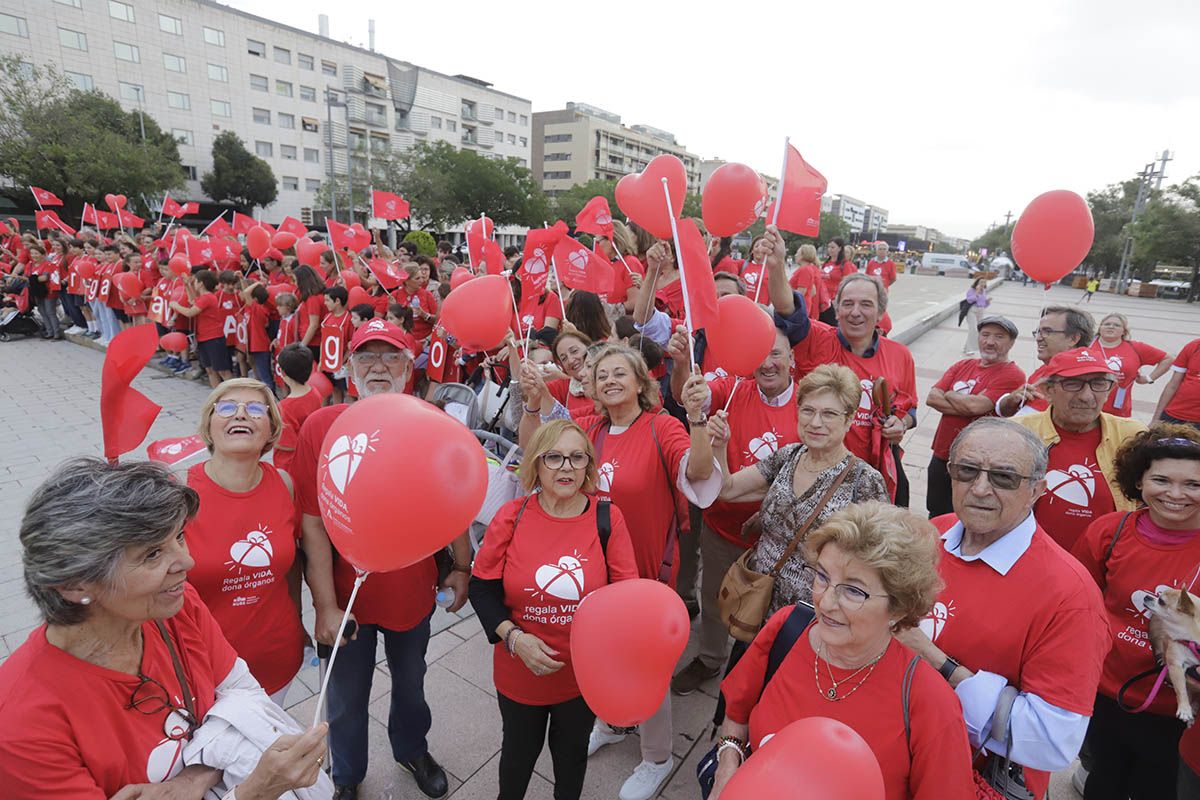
(1142, 600)
(1114, 363)
(719, 372)
(606, 472)
(933, 624)
(255, 551)
(964, 387)
(563, 580)
(864, 402)
(1076, 485)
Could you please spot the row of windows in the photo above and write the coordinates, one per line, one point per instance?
(261, 83)
(511, 116)
(557, 157)
(288, 152)
(292, 184)
(558, 137)
(556, 176)
(262, 116)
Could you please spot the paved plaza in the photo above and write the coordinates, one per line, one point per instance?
(49, 397)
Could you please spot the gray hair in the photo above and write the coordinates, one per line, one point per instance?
(993, 425)
(1078, 322)
(82, 518)
(880, 289)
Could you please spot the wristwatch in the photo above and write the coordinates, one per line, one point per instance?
(461, 568)
(698, 422)
(948, 667)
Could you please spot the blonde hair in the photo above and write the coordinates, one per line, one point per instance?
(623, 239)
(832, 378)
(546, 437)
(807, 254)
(1124, 324)
(648, 393)
(901, 546)
(233, 384)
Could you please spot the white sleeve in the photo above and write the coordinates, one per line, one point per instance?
(701, 493)
(657, 329)
(239, 679)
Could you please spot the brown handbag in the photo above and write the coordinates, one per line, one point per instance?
(746, 594)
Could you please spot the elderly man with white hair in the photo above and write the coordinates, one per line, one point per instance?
(396, 605)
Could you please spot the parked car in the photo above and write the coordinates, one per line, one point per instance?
(944, 264)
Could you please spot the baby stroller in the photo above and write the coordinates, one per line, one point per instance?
(503, 456)
(16, 318)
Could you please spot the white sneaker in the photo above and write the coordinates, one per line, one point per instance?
(647, 777)
(74, 330)
(602, 734)
(103, 342)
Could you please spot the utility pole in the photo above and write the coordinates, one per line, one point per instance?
(1007, 218)
(1151, 172)
(1162, 168)
(329, 157)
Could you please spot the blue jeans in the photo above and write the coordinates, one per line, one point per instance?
(262, 368)
(409, 719)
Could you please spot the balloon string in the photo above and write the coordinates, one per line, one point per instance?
(1045, 302)
(337, 643)
(617, 250)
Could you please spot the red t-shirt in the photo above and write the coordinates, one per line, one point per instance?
(230, 305)
(807, 279)
(108, 288)
(256, 315)
(632, 476)
(970, 376)
(623, 279)
(244, 543)
(314, 306)
(1076, 490)
(891, 360)
(160, 298)
(1189, 748)
(1185, 405)
(64, 728)
(1037, 403)
(1041, 626)
(832, 275)
(670, 299)
(335, 340)
(1126, 358)
(398, 600)
(548, 567)
(884, 270)
(534, 311)
(1134, 572)
(423, 300)
(578, 405)
(294, 410)
(756, 431)
(937, 763)
(210, 322)
(729, 264)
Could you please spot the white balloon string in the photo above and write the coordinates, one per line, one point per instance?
(337, 643)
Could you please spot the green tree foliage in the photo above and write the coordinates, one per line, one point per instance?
(1168, 230)
(832, 226)
(374, 170)
(995, 240)
(238, 176)
(79, 145)
(568, 204)
(426, 246)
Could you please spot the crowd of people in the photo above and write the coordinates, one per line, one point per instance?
(990, 641)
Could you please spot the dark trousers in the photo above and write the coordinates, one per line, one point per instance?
(409, 719)
(71, 304)
(1189, 782)
(1134, 756)
(525, 726)
(262, 368)
(48, 308)
(901, 479)
(937, 488)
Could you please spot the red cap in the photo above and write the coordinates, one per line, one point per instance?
(1073, 363)
(378, 330)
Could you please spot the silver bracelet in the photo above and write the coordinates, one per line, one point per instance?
(730, 744)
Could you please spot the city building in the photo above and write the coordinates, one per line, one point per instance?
(580, 143)
(200, 68)
(922, 238)
(863, 218)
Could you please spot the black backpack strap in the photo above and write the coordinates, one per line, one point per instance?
(521, 512)
(905, 689)
(604, 524)
(795, 625)
(1112, 545)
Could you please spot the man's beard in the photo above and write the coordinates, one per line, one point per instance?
(366, 389)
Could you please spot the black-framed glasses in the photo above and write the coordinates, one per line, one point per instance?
(848, 595)
(150, 697)
(555, 460)
(999, 478)
(1041, 333)
(1097, 385)
(227, 408)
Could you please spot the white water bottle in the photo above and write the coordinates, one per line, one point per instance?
(444, 596)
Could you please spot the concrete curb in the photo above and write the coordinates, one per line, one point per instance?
(87, 341)
(914, 326)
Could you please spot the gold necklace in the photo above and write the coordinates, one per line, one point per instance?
(831, 694)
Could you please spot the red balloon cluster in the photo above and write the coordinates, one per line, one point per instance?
(179, 265)
(1053, 235)
(625, 641)
(389, 452)
(640, 196)
(733, 199)
(743, 336)
(478, 312)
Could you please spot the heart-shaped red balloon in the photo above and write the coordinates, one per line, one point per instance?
(283, 240)
(309, 252)
(357, 296)
(460, 276)
(110, 200)
(174, 342)
(733, 199)
(258, 241)
(350, 279)
(640, 196)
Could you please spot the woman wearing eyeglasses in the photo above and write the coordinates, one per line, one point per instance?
(541, 556)
(243, 538)
(1134, 556)
(105, 699)
(801, 481)
(873, 572)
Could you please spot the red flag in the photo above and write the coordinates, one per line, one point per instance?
(389, 206)
(492, 257)
(800, 193)
(171, 209)
(535, 262)
(128, 219)
(696, 268)
(45, 198)
(596, 218)
(580, 268)
(219, 227)
(388, 273)
(199, 251)
(125, 413)
(475, 241)
(191, 208)
(293, 226)
(89, 214)
(176, 450)
(340, 236)
(49, 219)
(105, 220)
(243, 224)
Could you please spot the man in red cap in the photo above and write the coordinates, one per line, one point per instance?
(1081, 481)
(396, 604)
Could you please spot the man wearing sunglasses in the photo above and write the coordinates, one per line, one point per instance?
(1081, 482)
(1019, 630)
(1061, 328)
(395, 605)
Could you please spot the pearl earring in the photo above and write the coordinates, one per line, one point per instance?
(85, 600)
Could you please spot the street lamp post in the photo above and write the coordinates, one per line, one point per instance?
(329, 138)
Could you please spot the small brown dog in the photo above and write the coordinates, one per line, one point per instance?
(1174, 622)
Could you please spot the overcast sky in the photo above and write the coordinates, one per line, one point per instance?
(947, 114)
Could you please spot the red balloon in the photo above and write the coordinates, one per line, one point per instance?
(320, 384)
(826, 757)
(175, 342)
(350, 279)
(734, 198)
(389, 452)
(640, 196)
(460, 276)
(86, 270)
(179, 265)
(129, 284)
(357, 296)
(626, 638)
(110, 200)
(276, 289)
(283, 240)
(1053, 235)
(121, 201)
(477, 313)
(258, 241)
(743, 336)
(309, 252)
(489, 227)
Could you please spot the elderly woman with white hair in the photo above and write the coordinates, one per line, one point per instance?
(112, 695)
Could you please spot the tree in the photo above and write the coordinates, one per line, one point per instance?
(995, 240)
(79, 145)
(1168, 230)
(368, 170)
(1112, 209)
(426, 246)
(238, 175)
(568, 204)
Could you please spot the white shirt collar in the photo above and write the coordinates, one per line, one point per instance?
(780, 400)
(1001, 554)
